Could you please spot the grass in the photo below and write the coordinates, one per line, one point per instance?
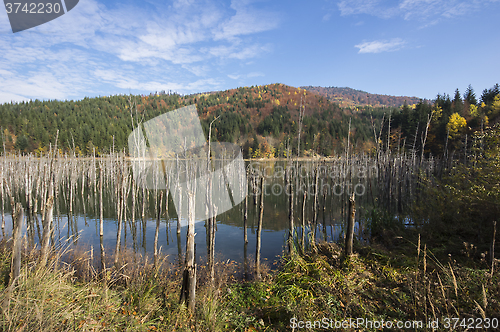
(405, 284)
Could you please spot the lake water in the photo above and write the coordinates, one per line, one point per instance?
(83, 226)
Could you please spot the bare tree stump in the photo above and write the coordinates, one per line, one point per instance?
(15, 268)
(350, 226)
(259, 230)
(47, 231)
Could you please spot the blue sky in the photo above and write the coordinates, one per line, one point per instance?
(398, 47)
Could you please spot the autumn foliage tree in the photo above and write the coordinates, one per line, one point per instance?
(455, 125)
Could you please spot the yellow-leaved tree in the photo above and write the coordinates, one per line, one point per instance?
(455, 125)
(474, 111)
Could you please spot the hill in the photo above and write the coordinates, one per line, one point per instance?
(347, 97)
(264, 120)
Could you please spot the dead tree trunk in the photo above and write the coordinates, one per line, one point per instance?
(101, 217)
(350, 226)
(188, 291)
(47, 230)
(15, 268)
(120, 207)
(259, 230)
(303, 234)
(245, 220)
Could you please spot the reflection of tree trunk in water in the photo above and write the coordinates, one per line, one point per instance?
(133, 225)
(83, 199)
(37, 225)
(213, 226)
(208, 234)
(157, 231)
(315, 219)
(167, 216)
(119, 211)
(259, 230)
(70, 211)
(29, 229)
(134, 191)
(124, 207)
(290, 221)
(179, 193)
(324, 216)
(245, 260)
(179, 249)
(245, 219)
(144, 239)
(103, 258)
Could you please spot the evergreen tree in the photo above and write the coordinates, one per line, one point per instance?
(470, 96)
(458, 104)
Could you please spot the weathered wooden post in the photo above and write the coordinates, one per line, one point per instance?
(350, 226)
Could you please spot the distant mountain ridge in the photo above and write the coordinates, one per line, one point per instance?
(348, 97)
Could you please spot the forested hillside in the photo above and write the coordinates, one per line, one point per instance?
(263, 120)
(347, 97)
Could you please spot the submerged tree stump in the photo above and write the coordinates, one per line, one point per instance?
(15, 268)
(188, 290)
(350, 226)
(259, 230)
(47, 231)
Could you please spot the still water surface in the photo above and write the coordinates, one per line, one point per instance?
(82, 228)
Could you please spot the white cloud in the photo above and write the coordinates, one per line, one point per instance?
(379, 46)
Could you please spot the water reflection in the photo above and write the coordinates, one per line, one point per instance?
(79, 221)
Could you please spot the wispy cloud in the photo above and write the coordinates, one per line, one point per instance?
(249, 75)
(379, 46)
(156, 46)
(411, 9)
